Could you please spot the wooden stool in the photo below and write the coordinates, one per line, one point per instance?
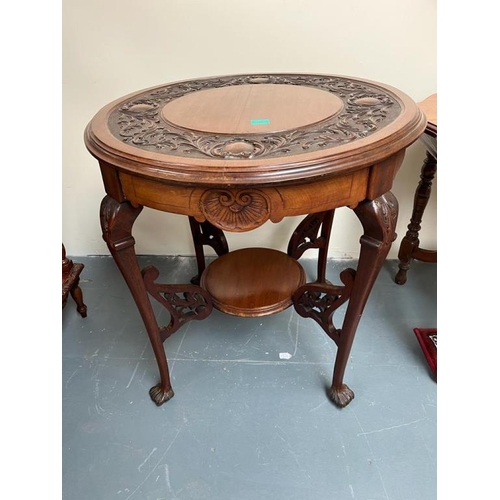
(70, 279)
(410, 244)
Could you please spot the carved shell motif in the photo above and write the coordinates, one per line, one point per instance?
(235, 210)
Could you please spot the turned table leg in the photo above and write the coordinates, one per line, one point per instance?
(409, 247)
(77, 294)
(319, 301)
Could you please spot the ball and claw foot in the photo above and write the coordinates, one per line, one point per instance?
(159, 395)
(341, 396)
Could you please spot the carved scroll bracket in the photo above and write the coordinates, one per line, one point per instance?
(205, 233)
(320, 300)
(313, 233)
(183, 302)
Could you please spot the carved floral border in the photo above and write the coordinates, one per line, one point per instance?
(367, 109)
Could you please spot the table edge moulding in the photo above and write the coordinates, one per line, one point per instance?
(233, 152)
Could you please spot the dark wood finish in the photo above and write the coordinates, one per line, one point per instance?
(410, 244)
(117, 220)
(204, 234)
(314, 143)
(70, 283)
(253, 282)
(183, 302)
(319, 302)
(313, 233)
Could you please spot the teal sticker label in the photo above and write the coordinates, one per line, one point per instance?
(260, 121)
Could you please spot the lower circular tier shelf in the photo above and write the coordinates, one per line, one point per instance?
(253, 282)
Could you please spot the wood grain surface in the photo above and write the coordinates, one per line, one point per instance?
(251, 109)
(253, 282)
(429, 107)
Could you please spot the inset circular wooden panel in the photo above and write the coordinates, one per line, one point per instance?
(251, 109)
(253, 282)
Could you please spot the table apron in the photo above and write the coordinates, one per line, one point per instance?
(243, 208)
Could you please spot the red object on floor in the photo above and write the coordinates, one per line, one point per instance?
(427, 338)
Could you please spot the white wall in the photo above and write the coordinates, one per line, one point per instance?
(114, 47)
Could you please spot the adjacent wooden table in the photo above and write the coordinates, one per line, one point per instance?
(233, 152)
(410, 245)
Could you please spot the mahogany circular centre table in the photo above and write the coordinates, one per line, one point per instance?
(234, 152)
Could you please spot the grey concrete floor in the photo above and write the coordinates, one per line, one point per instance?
(245, 423)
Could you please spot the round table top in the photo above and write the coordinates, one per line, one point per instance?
(260, 129)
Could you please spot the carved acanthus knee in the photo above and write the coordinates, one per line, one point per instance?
(117, 220)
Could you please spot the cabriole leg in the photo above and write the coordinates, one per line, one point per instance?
(117, 220)
(378, 218)
(320, 300)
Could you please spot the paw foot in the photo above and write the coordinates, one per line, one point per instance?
(341, 396)
(159, 395)
(82, 311)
